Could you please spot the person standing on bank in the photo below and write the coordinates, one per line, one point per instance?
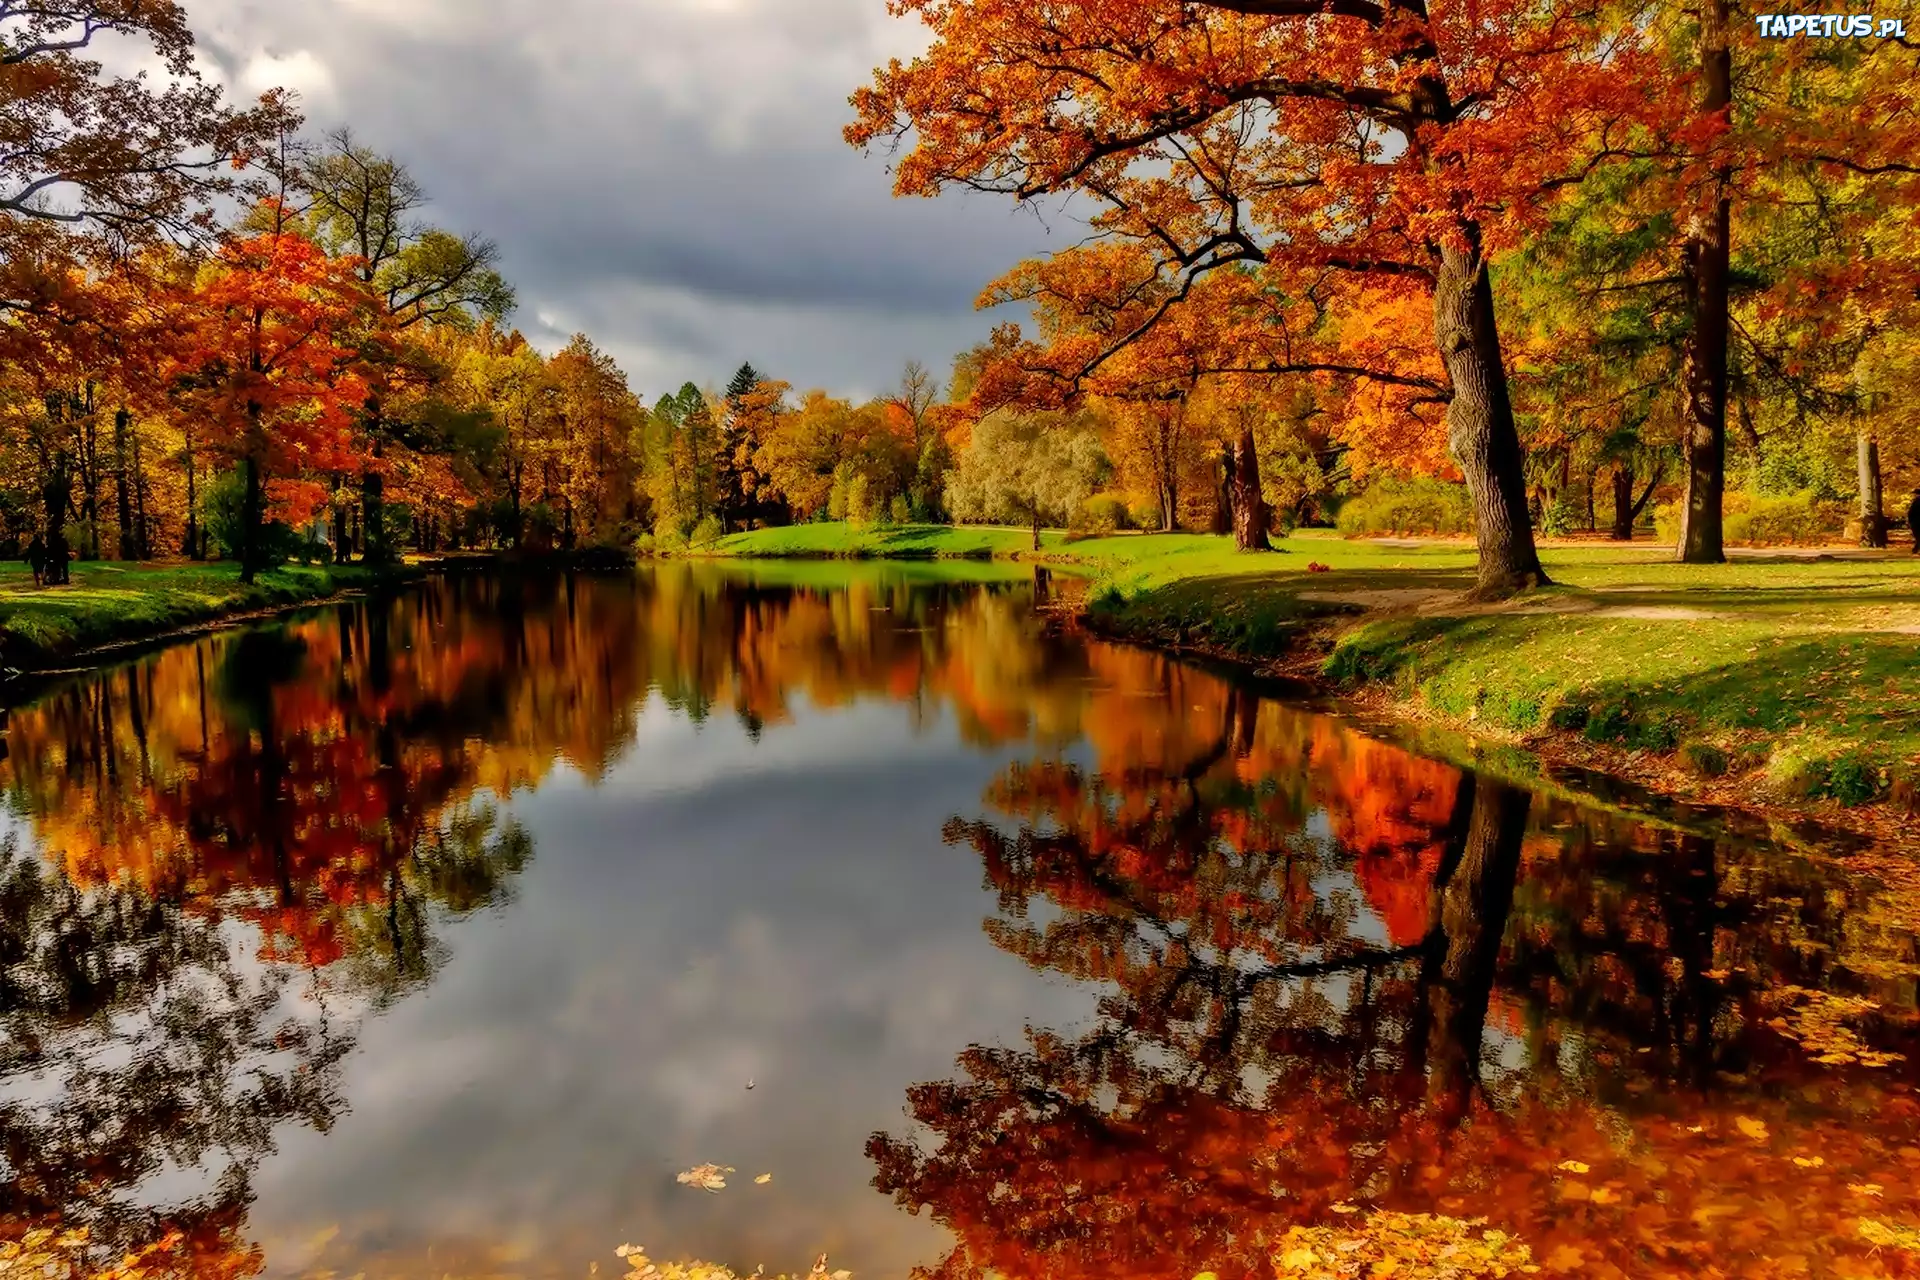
(1913, 521)
(37, 559)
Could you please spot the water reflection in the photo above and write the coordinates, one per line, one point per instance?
(1272, 973)
(1339, 979)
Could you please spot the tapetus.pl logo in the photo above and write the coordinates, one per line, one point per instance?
(1829, 26)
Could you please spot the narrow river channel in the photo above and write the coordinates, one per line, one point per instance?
(436, 935)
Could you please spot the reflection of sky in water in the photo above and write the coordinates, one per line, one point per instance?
(714, 912)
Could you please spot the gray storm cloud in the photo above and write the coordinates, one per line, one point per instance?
(666, 175)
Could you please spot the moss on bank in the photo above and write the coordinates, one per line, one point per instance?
(114, 603)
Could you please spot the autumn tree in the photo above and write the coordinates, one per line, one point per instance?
(366, 205)
(1028, 469)
(270, 364)
(113, 155)
(1394, 143)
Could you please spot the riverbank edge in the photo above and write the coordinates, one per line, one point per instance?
(1306, 650)
(1312, 645)
(104, 635)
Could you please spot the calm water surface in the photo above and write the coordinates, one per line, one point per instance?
(437, 935)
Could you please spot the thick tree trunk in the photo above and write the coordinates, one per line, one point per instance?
(253, 512)
(1873, 515)
(127, 550)
(1480, 428)
(1036, 526)
(1250, 518)
(374, 546)
(1473, 898)
(1622, 502)
(1169, 499)
(1704, 267)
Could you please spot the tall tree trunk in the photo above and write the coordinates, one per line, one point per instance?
(1480, 427)
(1622, 502)
(1250, 518)
(1169, 498)
(143, 532)
(375, 547)
(123, 495)
(190, 545)
(1036, 526)
(1873, 515)
(58, 496)
(1704, 265)
(253, 510)
(342, 546)
(1223, 509)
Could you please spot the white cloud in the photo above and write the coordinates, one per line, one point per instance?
(300, 71)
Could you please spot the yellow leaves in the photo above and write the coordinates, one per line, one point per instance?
(707, 1177)
(1415, 1246)
(1574, 1166)
(641, 1267)
(1805, 1163)
(1819, 1021)
(1755, 1129)
(1865, 1188)
(1890, 1235)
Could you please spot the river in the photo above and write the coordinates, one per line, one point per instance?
(437, 934)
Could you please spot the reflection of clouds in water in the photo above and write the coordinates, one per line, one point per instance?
(697, 920)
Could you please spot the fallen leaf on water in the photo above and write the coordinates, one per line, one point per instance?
(1344, 1208)
(1865, 1188)
(1805, 1163)
(707, 1177)
(1575, 1166)
(1755, 1129)
(764, 1179)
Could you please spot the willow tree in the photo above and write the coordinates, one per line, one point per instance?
(1383, 140)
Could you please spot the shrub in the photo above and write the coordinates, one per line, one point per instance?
(1568, 717)
(1408, 506)
(1103, 513)
(1801, 518)
(860, 500)
(1144, 514)
(1607, 722)
(900, 509)
(1560, 517)
(708, 531)
(1704, 759)
(668, 538)
(1852, 781)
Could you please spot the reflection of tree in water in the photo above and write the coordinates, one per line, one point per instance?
(134, 1042)
(1573, 1036)
(325, 784)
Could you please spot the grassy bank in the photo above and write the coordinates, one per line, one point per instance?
(1781, 679)
(111, 603)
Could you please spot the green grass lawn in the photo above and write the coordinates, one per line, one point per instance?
(1808, 669)
(111, 602)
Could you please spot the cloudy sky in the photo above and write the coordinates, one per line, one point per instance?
(665, 175)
